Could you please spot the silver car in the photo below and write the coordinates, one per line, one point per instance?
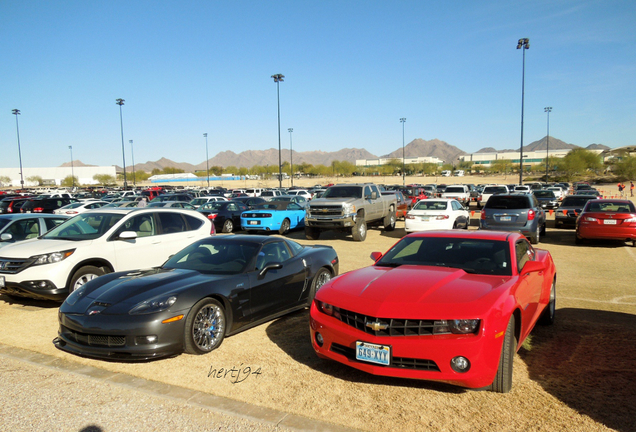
(514, 212)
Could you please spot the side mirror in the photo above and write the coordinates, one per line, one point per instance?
(375, 256)
(374, 195)
(533, 266)
(127, 235)
(270, 266)
(6, 237)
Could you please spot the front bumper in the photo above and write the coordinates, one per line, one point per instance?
(415, 357)
(346, 221)
(120, 337)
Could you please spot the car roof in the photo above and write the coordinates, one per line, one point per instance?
(15, 216)
(475, 235)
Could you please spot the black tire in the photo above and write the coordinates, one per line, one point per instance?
(359, 231)
(503, 379)
(322, 277)
(204, 327)
(389, 220)
(543, 228)
(549, 313)
(537, 236)
(83, 275)
(284, 227)
(228, 226)
(312, 233)
(578, 240)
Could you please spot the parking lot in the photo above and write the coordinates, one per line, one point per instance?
(577, 375)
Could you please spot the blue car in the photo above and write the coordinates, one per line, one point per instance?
(278, 216)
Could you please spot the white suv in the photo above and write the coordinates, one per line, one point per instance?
(94, 243)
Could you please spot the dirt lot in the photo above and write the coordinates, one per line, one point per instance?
(577, 375)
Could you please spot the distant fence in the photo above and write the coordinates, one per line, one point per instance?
(196, 179)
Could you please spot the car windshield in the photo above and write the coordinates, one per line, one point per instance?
(495, 190)
(343, 192)
(215, 256)
(86, 226)
(490, 257)
(430, 205)
(454, 189)
(507, 202)
(544, 194)
(609, 206)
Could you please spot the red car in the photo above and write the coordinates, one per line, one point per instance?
(439, 305)
(608, 219)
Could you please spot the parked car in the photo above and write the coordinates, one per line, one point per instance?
(79, 207)
(173, 197)
(607, 219)
(94, 243)
(514, 212)
(546, 198)
(198, 202)
(300, 192)
(489, 191)
(298, 199)
(19, 226)
(570, 208)
(435, 214)
(226, 215)
(558, 192)
(270, 194)
(214, 288)
(403, 206)
(45, 205)
(588, 191)
(442, 306)
(249, 201)
(12, 205)
(459, 192)
(280, 216)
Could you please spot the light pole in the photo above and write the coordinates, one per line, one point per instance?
(16, 112)
(402, 120)
(120, 102)
(523, 45)
(72, 170)
(207, 163)
(547, 144)
(132, 153)
(277, 79)
(291, 156)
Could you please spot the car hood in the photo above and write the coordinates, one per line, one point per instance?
(28, 248)
(413, 291)
(119, 292)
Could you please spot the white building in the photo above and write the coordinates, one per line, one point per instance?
(529, 157)
(407, 160)
(55, 175)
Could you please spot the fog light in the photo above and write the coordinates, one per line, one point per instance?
(40, 284)
(146, 340)
(460, 364)
(319, 340)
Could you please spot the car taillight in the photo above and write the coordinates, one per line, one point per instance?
(483, 215)
(38, 210)
(212, 216)
(442, 217)
(531, 214)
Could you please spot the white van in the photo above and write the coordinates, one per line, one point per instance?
(446, 173)
(459, 173)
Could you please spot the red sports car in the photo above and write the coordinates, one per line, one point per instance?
(608, 219)
(439, 305)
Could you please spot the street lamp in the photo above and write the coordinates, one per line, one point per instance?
(132, 153)
(547, 144)
(16, 112)
(277, 79)
(72, 170)
(207, 159)
(402, 120)
(291, 156)
(120, 102)
(523, 45)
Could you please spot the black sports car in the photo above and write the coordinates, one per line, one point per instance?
(213, 288)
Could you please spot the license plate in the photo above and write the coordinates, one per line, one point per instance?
(372, 353)
(252, 222)
(609, 221)
(424, 218)
(505, 218)
(1, 281)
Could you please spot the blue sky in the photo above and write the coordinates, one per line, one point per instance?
(352, 70)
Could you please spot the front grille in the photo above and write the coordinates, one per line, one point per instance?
(14, 265)
(394, 327)
(396, 362)
(94, 340)
(323, 210)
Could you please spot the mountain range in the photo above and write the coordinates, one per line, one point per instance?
(418, 147)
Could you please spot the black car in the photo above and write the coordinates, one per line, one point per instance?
(570, 209)
(226, 215)
(213, 288)
(45, 205)
(546, 198)
(13, 204)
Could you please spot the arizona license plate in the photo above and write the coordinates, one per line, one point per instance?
(252, 222)
(424, 218)
(505, 218)
(609, 221)
(372, 353)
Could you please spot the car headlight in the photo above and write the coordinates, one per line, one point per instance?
(461, 326)
(348, 208)
(154, 305)
(51, 258)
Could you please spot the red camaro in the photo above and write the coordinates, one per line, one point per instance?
(608, 219)
(439, 305)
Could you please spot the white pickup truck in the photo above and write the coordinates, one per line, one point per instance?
(459, 192)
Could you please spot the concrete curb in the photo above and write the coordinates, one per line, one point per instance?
(217, 404)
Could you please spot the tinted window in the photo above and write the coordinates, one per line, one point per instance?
(171, 222)
(507, 202)
(215, 257)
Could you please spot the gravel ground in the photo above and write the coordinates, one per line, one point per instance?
(39, 398)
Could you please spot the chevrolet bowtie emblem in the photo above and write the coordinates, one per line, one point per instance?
(376, 325)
